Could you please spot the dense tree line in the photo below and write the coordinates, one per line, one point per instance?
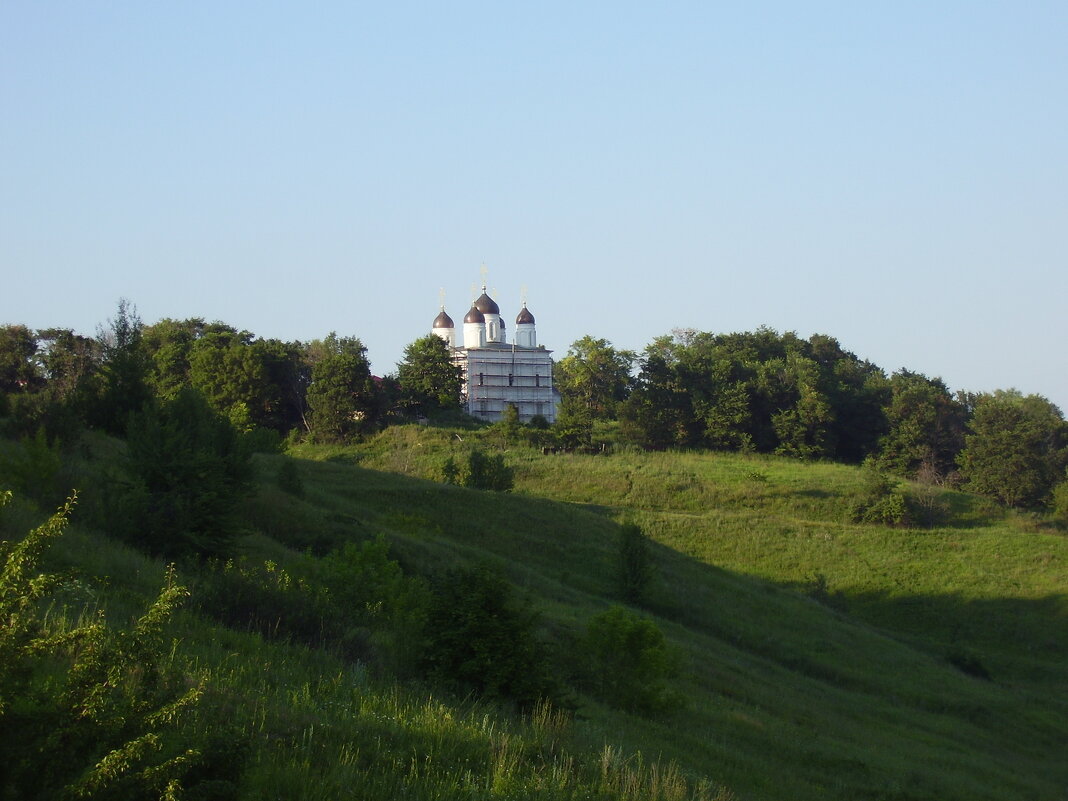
(759, 391)
(767, 392)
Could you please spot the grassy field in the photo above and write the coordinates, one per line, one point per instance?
(819, 658)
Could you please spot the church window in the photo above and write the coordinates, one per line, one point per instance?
(480, 379)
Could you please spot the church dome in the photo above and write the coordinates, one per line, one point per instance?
(486, 305)
(443, 321)
(475, 315)
(525, 317)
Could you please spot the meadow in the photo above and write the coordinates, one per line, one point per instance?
(817, 657)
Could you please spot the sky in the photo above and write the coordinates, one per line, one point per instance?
(894, 175)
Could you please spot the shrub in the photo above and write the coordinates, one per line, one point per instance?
(634, 570)
(85, 711)
(1060, 501)
(186, 471)
(266, 599)
(288, 478)
(450, 471)
(479, 638)
(629, 662)
(487, 472)
(31, 465)
(880, 500)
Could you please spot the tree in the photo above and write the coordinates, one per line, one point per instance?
(429, 381)
(18, 367)
(230, 372)
(1017, 448)
(479, 637)
(186, 471)
(925, 426)
(630, 662)
(635, 569)
(653, 415)
(343, 400)
(595, 377)
(124, 370)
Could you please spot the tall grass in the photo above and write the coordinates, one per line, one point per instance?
(819, 658)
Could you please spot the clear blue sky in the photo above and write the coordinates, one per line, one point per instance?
(892, 174)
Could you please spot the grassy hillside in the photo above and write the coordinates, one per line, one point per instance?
(819, 658)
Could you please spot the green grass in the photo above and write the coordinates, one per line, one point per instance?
(820, 658)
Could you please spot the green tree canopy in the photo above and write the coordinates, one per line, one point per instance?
(594, 376)
(925, 425)
(429, 381)
(1016, 449)
(343, 400)
(187, 470)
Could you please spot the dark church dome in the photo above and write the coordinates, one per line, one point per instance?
(443, 321)
(525, 317)
(486, 305)
(475, 315)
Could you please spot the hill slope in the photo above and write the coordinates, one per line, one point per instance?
(820, 659)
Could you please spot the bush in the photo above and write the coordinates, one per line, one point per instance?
(1060, 501)
(370, 591)
(85, 711)
(880, 500)
(635, 570)
(487, 472)
(479, 638)
(30, 467)
(267, 599)
(186, 471)
(288, 478)
(629, 662)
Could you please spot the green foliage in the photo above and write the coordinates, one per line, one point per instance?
(594, 377)
(630, 663)
(925, 426)
(429, 381)
(1017, 449)
(288, 478)
(479, 638)
(30, 466)
(85, 711)
(1059, 499)
(265, 598)
(486, 471)
(635, 569)
(880, 499)
(124, 371)
(509, 426)
(450, 471)
(343, 401)
(760, 390)
(186, 470)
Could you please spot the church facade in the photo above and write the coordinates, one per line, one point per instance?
(497, 372)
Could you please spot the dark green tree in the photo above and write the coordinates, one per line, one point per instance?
(655, 413)
(186, 472)
(925, 426)
(595, 377)
(630, 663)
(1016, 450)
(343, 401)
(429, 381)
(634, 569)
(19, 370)
(124, 370)
(480, 638)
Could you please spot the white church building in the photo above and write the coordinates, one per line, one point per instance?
(498, 372)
